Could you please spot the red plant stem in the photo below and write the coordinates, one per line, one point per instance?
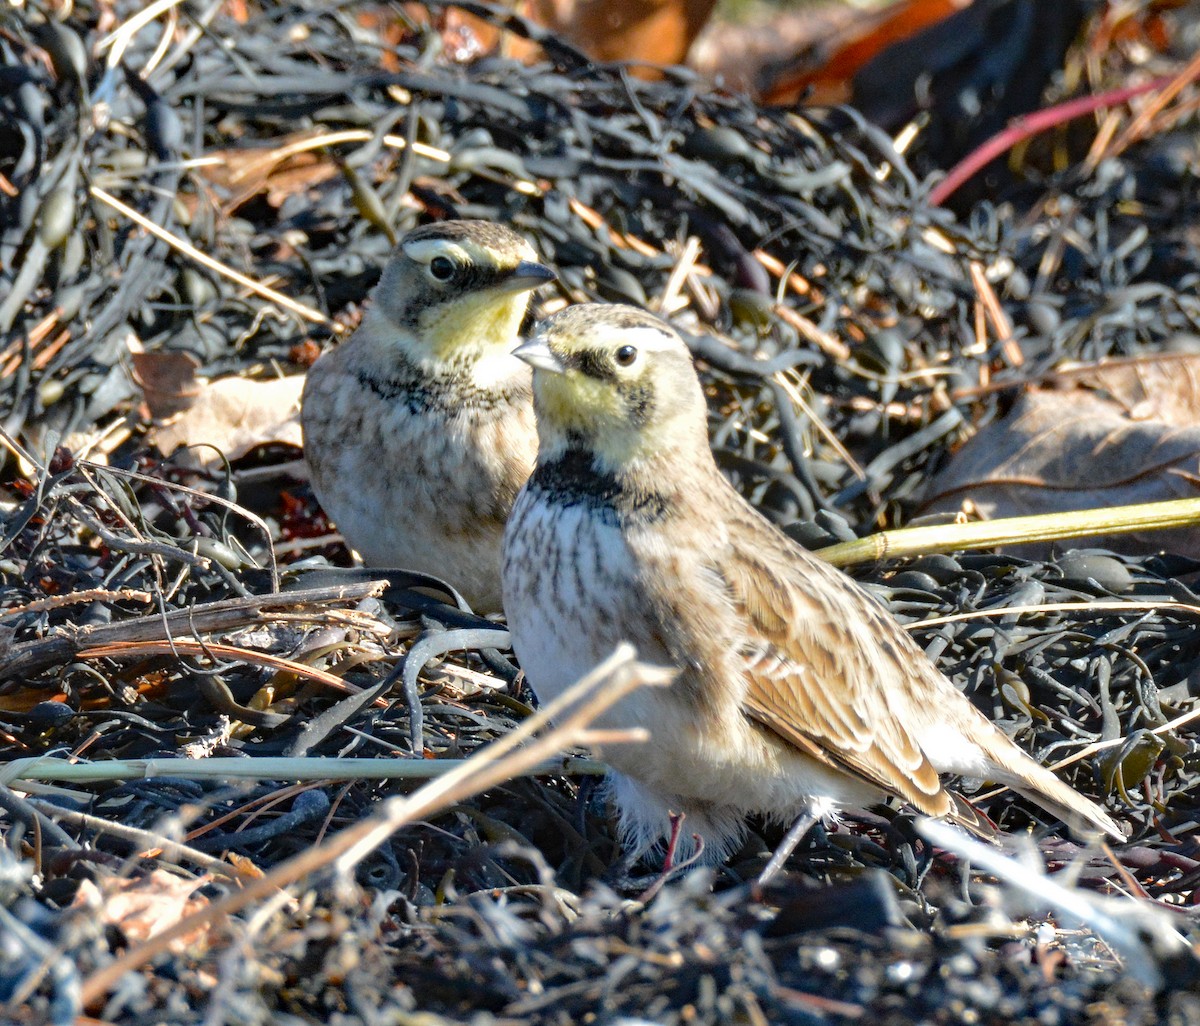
(1022, 128)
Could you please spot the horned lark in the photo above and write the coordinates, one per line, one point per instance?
(797, 693)
(418, 430)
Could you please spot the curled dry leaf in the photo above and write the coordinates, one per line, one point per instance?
(1111, 434)
(1164, 388)
(146, 905)
(236, 415)
(284, 168)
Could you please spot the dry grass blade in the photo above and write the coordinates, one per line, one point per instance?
(306, 312)
(524, 747)
(919, 541)
(1140, 125)
(669, 302)
(262, 768)
(793, 390)
(1158, 605)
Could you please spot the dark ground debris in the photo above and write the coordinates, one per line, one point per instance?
(840, 324)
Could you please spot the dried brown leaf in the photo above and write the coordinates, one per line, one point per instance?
(168, 381)
(146, 905)
(236, 415)
(1165, 387)
(1071, 450)
(259, 170)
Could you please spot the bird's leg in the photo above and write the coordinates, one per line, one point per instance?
(620, 875)
(677, 819)
(669, 869)
(583, 795)
(803, 824)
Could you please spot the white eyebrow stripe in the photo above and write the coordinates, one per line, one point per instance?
(652, 339)
(424, 250)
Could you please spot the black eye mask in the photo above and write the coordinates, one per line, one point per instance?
(592, 363)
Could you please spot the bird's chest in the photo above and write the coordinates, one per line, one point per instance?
(385, 454)
(571, 593)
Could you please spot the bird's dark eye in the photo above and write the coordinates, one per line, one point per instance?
(442, 268)
(626, 355)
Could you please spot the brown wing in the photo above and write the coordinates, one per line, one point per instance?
(820, 658)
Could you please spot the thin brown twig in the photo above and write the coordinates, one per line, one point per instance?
(1136, 129)
(798, 284)
(996, 316)
(75, 597)
(232, 653)
(827, 343)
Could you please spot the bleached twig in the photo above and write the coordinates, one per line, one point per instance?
(262, 768)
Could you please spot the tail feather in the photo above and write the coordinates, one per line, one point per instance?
(1033, 781)
(968, 817)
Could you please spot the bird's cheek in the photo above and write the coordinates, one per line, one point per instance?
(605, 401)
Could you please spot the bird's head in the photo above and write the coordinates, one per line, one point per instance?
(616, 382)
(458, 290)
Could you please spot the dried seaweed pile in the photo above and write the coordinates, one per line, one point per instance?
(238, 150)
(843, 328)
(1106, 254)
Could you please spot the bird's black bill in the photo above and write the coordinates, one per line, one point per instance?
(537, 354)
(525, 276)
